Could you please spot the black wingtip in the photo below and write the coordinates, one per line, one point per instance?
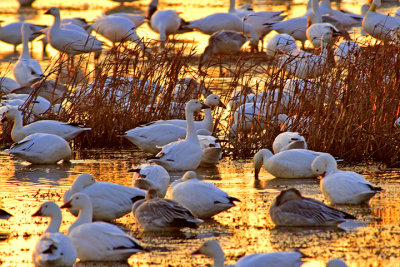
(137, 198)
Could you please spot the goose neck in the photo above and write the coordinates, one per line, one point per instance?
(208, 119)
(191, 133)
(17, 123)
(232, 6)
(316, 17)
(85, 216)
(57, 22)
(331, 165)
(55, 223)
(25, 40)
(219, 259)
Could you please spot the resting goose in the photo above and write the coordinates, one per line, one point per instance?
(293, 163)
(281, 44)
(288, 140)
(148, 176)
(53, 248)
(184, 154)
(342, 187)
(213, 249)
(212, 151)
(98, 241)
(69, 41)
(290, 208)
(27, 70)
(65, 130)
(4, 214)
(109, 201)
(41, 148)
(8, 84)
(203, 199)
(159, 214)
(11, 33)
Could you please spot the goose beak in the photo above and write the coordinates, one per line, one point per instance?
(37, 213)
(196, 252)
(47, 12)
(134, 170)
(204, 106)
(222, 105)
(67, 205)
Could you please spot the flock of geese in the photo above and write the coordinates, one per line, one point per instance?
(184, 145)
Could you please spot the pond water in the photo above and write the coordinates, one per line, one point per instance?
(243, 230)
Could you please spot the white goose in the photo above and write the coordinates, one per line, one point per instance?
(8, 84)
(281, 44)
(203, 199)
(148, 176)
(159, 214)
(38, 105)
(65, 130)
(69, 41)
(11, 33)
(223, 42)
(342, 187)
(40, 148)
(53, 248)
(137, 19)
(109, 201)
(293, 163)
(117, 29)
(185, 154)
(212, 151)
(347, 20)
(27, 70)
(346, 53)
(213, 249)
(98, 241)
(379, 25)
(288, 140)
(290, 208)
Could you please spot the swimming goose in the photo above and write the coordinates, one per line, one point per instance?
(41, 148)
(224, 21)
(293, 163)
(7, 85)
(379, 25)
(159, 214)
(148, 176)
(281, 44)
(4, 214)
(290, 208)
(69, 41)
(346, 53)
(65, 130)
(109, 200)
(288, 140)
(213, 249)
(27, 70)
(184, 154)
(223, 42)
(53, 248)
(117, 29)
(98, 241)
(342, 187)
(203, 199)
(164, 22)
(11, 33)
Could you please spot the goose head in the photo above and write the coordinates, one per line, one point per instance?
(259, 159)
(151, 176)
(11, 113)
(189, 175)
(287, 195)
(78, 201)
(54, 11)
(82, 181)
(211, 248)
(151, 194)
(195, 106)
(323, 164)
(47, 209)
(214, 100)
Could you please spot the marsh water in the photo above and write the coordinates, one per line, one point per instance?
(243, 230)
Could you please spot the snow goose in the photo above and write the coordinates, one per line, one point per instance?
(213, 249)
(117, 29)
(11, 33)
(290, 208)
(7, 85)
(70, 41)
(53, 248)
(27, 70)
(342, 187)
(345, 53)
(37, 104)
(148, 176)
(98, 241)
(224, 21)
(137, 19)
(379, 25)
(212, 151)
(41, 148)
(65, 130)
(109, 201)
(159, 214)
(223, 42)
(164, 22)
(281, 44)
(185, 154)
(203, 199)
(293, 163)
(288, 140)
(4, 214)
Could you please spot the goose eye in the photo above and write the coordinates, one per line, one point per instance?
(45, 206)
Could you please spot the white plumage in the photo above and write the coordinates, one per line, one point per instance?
(148, 176)
(288, 140)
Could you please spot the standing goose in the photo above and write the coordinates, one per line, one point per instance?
(27, 70)
(342, 187)
(288, 140)
(159, 214)
(98, 241)
(148, 176)
(70, 41)
(53, 248)
(293, 163)
(109, 201)
(185, 154)
(65, 130)
(41, 148)
(203, 199)
(290, 208)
